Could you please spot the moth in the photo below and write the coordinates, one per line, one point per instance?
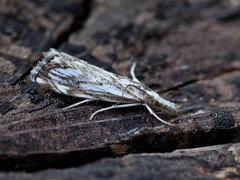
(71, 76)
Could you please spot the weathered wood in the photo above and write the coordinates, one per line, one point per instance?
(184, 50)
(26, 30)
(44, 142)
(214, 162)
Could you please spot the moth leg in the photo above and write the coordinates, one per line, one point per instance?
(78, 103)
(133, 73)
(158, 118)
(114, 107)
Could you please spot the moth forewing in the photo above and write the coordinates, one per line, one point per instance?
(74, 77)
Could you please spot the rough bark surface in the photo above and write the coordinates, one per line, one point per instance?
(187, 51)
(215, 162)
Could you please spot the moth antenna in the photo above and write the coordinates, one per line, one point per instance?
(126, 88)
(158, 118)
(132, 72)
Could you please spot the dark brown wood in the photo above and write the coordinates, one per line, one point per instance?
(26, 30)
(214, 162)
(186, 51)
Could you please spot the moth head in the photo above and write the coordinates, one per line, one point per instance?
(147, 96)
(154, 100)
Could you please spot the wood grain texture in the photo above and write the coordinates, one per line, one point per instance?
(187, 52)
(213, 162)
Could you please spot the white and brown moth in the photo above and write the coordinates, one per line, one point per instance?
(74, 77)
